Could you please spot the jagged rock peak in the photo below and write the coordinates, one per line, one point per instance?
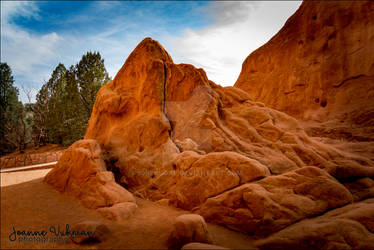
(146, 52)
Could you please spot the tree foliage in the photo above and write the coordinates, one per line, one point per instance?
(15, 123)
(62, 109)
(64, 103)
(90, 75)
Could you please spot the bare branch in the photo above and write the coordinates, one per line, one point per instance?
(27, 92)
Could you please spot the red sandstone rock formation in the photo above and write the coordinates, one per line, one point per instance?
(81, 172)
(276, 201)
(349, 227)
(169, 134)
(319, 66)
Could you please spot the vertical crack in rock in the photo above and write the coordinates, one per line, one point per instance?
(171, 131)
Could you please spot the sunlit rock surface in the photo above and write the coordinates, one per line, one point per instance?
(319, 66)
(169, 134)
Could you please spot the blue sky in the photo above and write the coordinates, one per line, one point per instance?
(216, 36)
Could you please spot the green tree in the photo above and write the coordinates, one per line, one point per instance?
(75, 113)
(91, 75)
(56, 116)
(14, 130)
(9, 102)
(64, 104)
(40, 113)
(8, 93)
(49, 109)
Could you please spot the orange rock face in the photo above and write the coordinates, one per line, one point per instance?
(276, 201)
(81, 172)
(349, 227)
(319, 66)
(169, 134)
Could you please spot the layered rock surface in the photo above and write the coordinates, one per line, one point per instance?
(268, 205)
(350, 227)
(169, 134)
(319, 66)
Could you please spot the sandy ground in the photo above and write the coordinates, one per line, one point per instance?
(8, 179)
(27, 203)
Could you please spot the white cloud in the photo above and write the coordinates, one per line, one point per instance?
(220, 49)
(241, 27)
(226, 13)
(114, 51)
(18, 8)
(29, 55)
(33, 56)
(26, 52)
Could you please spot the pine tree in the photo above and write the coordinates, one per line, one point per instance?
(14, 130)
(64, 104)
(91, 75)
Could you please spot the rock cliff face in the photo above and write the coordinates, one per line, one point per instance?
(163, 131)
(319, 66)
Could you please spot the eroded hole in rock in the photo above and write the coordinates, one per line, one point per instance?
(323, 103)
(325, 46)
(316, 100)
(111, 166)
(332, 35)
(349, 179)
(314, 17)
(141, 149)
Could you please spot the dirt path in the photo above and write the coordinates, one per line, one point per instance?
(30, 167)
(34, 205)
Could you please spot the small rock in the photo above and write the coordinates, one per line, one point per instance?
(189, 145)
(188, 228)
(163, 202)
(119, 211)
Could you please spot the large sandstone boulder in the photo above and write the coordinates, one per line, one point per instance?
(81, 172)
(197, 178)
(350, 227)
(188, 228)
(319, 66)
(268, 205)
